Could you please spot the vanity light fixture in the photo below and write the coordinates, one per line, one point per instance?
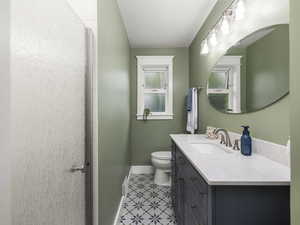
(213, 38)
(237, 11)
(205, 48)
(225, 25)
(240, 10)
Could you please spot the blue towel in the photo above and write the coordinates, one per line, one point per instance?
(189, 101)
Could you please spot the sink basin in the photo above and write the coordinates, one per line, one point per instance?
(209, 148)
(205, 148)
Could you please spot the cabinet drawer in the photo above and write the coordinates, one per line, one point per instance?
(180, 158)
(190, 173)
(181, 165)
(197, 182)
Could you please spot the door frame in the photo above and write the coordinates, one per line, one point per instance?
(91, 153)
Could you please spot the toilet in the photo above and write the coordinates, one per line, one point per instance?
(162, 164)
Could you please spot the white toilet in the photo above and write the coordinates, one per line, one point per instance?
(162, 164)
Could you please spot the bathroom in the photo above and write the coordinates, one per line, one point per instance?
(118, 112)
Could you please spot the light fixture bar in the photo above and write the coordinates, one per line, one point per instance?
(236, 10)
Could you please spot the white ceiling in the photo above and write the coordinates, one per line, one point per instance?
(86, 10)
(163, 23)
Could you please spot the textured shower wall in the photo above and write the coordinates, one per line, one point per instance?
(47, 97)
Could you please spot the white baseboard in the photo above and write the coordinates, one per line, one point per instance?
(123, 198)
(133, 170)
(141, 170)
(118, 214)
(125, 186)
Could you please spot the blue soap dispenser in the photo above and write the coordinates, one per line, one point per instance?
(246, 142)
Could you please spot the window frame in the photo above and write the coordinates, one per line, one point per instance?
(155, 61)
(226, 90)
(232, 66)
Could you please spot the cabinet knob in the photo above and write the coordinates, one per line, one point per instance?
(181, 159)
(193, 206)
(193, 179)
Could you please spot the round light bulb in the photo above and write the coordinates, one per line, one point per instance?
(240, 10)
(205, 48)
(225, 25)
(213, 39)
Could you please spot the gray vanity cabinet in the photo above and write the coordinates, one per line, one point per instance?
(197, 203)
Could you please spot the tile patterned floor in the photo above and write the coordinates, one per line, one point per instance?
(147, 203)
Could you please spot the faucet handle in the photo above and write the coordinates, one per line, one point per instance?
(215, 130)
(236, 145)
(211, 134)
(222, 139)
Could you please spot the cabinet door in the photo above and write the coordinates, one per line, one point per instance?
(199, 208)
(180, 169)
(191, 193)
(173, 176)
(196, 199)
(198, 183)
(180, 209)
(181, 164)
(256, 205)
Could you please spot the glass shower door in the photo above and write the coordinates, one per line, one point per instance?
(48, 66)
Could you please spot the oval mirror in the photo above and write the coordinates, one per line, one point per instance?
(253, 74)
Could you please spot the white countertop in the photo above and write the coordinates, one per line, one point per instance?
(219, 167)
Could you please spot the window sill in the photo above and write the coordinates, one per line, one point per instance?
(156, 117)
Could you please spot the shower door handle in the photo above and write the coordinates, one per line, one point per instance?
(81, 168)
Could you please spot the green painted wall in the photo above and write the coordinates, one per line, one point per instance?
(150, 136)
(271, 124)
(268, 69)
(114, 108)
(295, 109)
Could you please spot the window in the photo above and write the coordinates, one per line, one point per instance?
(224, 83)
(155, 87)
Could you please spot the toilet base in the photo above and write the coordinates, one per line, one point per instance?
(162, 177)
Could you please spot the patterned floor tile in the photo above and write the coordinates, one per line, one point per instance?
(147, 203)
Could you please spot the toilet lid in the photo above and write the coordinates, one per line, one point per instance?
(162, 155)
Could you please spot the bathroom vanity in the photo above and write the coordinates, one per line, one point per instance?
(212, 185)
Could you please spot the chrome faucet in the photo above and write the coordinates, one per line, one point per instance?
(227, 138)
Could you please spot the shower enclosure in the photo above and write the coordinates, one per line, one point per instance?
(50, 106)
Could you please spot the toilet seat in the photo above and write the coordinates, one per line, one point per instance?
(162, 155)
